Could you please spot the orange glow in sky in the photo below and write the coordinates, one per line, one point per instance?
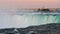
(29, 3)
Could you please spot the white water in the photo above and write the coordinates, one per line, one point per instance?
(13, 19)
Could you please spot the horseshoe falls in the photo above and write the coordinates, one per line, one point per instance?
(17, 19)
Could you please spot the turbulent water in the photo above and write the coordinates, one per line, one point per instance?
(20, 19)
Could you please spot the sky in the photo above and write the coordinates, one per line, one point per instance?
(14, 4)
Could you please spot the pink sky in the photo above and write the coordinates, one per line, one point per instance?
(28, 3)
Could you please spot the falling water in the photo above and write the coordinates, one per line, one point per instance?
(24, 20)
(37, 19)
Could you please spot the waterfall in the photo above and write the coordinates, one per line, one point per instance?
(37, 19)
(20, 20)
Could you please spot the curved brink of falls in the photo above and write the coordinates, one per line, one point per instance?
(20, 21)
